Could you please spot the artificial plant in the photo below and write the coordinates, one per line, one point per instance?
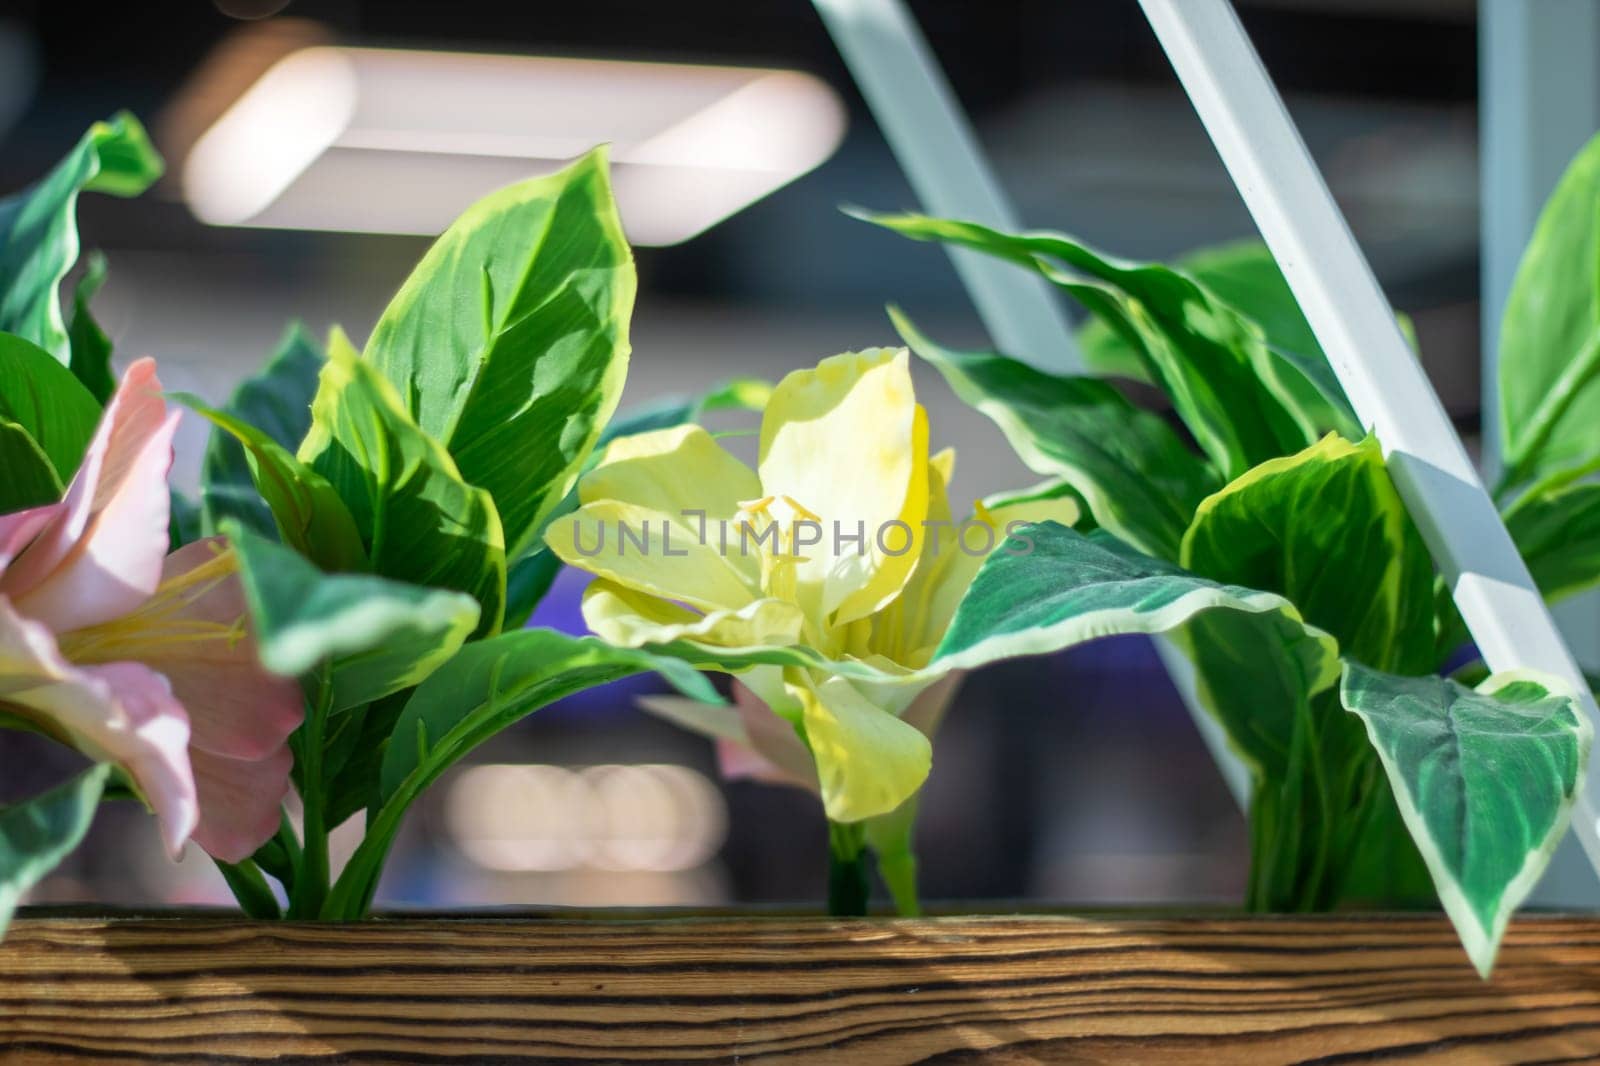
(1378, 782)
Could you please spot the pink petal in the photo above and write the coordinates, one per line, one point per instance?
(18, 529)
(240, 802)
(927, 711)
(776, 753)
(236, 708)
(738, 763)
(123, 713)
(100, 555)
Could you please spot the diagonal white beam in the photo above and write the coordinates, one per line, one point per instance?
(1300, 222)
(933, 142)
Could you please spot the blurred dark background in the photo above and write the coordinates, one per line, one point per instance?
(1074, 779)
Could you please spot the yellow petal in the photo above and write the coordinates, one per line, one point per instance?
(631, 619)
(672, 470)
(868, 761)
(917, 618)
(684, 473)
(650, 551)
(848, 441)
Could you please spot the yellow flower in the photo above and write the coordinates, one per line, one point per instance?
(839, 547)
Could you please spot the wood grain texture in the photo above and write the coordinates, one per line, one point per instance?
(1006, 990)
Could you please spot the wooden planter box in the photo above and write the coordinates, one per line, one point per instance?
(1010, 989)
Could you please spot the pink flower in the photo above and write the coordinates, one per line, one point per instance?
(141, 658)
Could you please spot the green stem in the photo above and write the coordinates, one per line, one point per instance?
(849, 885)
(311, 880)
(280, 856)
(899, 872)
(250, 889)
(1557, 401)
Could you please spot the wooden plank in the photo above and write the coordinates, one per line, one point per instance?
(1017, 989)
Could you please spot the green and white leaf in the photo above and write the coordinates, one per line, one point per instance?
(36, 834)
(302, 508)
(40, 395)
(509, 342)
(1549, 351)
(1136, 476)
(376, 635)
(1556, 526)
(420, 521)
(1485, 779)
(1245, 276)
(1326, 529)
(1243, 405)
(39, 229)
(276, 401)
(1069, 588)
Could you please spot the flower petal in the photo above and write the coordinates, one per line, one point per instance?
(848, 442)
(627, 545)
(18, 529)
(632, 619)
(773, 751)
(100, 555)
(122, 713)
(194, 631)
(671, 470)
(241, 801)
(868, 761)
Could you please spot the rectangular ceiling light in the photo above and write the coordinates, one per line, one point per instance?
(383, 141)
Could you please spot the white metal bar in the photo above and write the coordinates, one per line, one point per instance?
(1538, 102)
(929, 135)
(1341, 299)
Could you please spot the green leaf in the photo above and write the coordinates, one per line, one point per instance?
(1242, 404)
(1136, 476)
(1550, 332)
(276, 401)
(39, 232)
(509, 342)
(420, 521)
(1485, 780)
(1326, 529)
(1556, 526)
(37, 834)
(527, 582)
(489, 685)
(378, 636)
(42, 397)
(183, 520)
(354, 756)
(302, 508)
(1245, 276)
(1049, 587)
(250, 889)
(91, 348)
(29, 480)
